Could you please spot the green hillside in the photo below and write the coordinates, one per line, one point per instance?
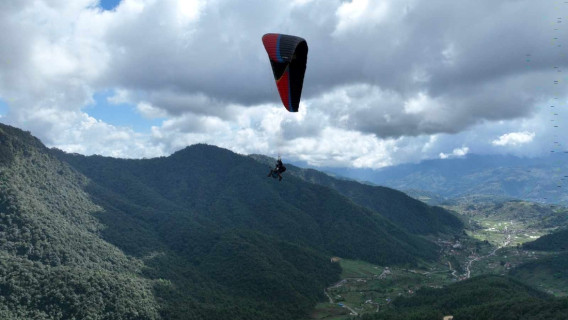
(57, 262)
(484, 297)
(53, 263)
(195, 185)
(406, 212)
(557, 241)
(202, 234)
(549, 272)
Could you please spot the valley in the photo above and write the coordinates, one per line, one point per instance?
(491, 245)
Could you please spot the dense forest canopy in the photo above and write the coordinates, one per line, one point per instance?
(187, 238)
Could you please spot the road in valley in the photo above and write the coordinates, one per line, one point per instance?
(343, 305)
(468, 267)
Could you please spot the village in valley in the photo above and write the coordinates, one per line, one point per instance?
(489, 245)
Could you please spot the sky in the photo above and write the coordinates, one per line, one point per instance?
(387, 81)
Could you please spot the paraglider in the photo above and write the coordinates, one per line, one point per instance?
(278, 170)
(288, 56)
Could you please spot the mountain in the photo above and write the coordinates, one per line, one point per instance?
(550, 272)
(412, 215)
(201, 234)
(225, 191)
(57, 262)
(483, 297)
(556, 241)
(533, 179)
(53, 263)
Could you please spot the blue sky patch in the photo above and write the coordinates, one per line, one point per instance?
(3, 107)
(123, 114)
(109, 4)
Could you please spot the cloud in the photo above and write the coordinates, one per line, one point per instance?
(360, 14)
(459, 152)
(69, 131)
(189, 10)
(514, 139)
(150, 112)
(414, 50)
(387, 81)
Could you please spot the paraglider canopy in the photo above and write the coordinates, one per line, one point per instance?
(288, 56)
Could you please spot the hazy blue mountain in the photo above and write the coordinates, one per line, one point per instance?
(534, 179)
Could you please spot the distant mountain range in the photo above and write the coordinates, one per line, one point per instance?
(533, 179)
(201, 234)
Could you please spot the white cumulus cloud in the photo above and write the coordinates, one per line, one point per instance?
(514, 139)
(387, 81)
(456, 153)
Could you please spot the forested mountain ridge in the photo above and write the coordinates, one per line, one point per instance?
(556, 241)
(53, 264)
(551, 270)
(224, 190)
(408, 213)
(201, 234)
(58, 263)
(483, 297)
